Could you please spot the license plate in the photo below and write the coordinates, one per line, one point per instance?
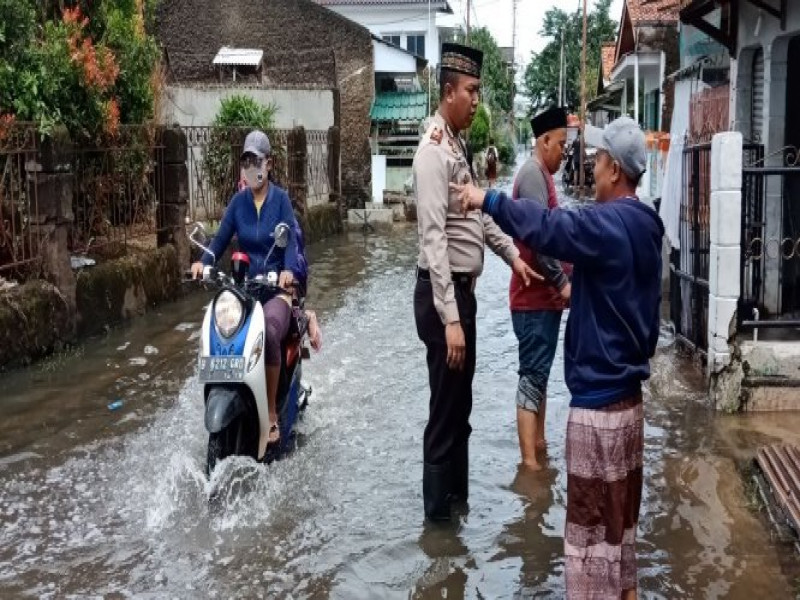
(221, 368)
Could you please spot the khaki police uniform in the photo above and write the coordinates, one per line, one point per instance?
(451, 258)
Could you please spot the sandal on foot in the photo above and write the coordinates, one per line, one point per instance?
(273, 428)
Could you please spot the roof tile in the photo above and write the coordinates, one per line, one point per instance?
(608, 53)
(399, 106)
(652, 11)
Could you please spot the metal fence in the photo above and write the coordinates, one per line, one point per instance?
(108, 194)
(770, 248)
(20, 236)
(117, 190)
(690, 266)
(213, 165)
(319, 186)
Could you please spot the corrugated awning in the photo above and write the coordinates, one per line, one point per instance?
(399, 106)
(238, 57)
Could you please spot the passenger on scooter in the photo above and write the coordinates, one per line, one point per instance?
(252, 215)
(314, 330)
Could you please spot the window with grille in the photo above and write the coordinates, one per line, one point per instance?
(392, 39)
(416, 45)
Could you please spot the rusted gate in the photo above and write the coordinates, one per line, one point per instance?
(781, 467)
(20, 238)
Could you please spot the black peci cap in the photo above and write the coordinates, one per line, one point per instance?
(552, 118)
(462, 59)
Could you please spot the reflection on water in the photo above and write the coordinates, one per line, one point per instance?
(98, 502)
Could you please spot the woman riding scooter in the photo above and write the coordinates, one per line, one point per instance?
(252, 216)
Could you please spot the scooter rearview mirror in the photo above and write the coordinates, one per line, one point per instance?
(281, 235)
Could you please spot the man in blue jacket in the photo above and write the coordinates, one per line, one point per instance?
(612, 330)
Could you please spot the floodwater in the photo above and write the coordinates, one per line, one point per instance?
(104, 503)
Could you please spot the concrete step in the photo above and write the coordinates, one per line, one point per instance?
(370, 218)
(770, 394)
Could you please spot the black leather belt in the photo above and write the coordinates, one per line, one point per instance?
(462, 279)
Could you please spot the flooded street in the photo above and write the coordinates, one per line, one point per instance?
(95, 502)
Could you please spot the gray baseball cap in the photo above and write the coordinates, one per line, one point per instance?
(257, 143)
(624, 140)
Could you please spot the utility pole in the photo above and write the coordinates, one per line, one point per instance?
(514, 30)
(513, 63)
(429, 37)
(583, 101)
(469, 11)
(561, 73)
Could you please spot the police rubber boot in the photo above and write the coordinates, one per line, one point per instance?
(436, 489)
(460, 478)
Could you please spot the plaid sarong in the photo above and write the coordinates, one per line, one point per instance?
(604, 489)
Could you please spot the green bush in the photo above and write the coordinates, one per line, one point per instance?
(479, 132)
(243, 111)
(87, 65)
(237, 116)
(505, 148)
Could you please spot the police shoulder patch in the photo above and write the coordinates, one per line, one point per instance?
(436, 134)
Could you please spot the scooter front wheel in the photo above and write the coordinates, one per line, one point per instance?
(235, 439)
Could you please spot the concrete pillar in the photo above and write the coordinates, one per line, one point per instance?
(662, 66)
(725, 253)
(732, 96)
(335, 166)
(297, 169)
(636, 87)
(52, 222)
(172, 188)
(625, 98)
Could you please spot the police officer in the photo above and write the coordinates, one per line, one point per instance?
(450, 260)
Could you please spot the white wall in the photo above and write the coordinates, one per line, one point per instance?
(378, 177)
(774, 43)
(392, 60)
(187, 105)
(398, 21)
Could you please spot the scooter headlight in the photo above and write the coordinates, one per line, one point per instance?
(228, 311)
(255, 355)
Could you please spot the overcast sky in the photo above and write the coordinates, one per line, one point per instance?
(497, 16)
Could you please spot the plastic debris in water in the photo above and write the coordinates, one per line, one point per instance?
(79, 262)
(115, 405)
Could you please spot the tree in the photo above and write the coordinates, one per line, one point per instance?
(497, 80)
(542, 73)
(88, 65)
(480, 131)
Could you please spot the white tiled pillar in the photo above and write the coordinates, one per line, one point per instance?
(726, 230)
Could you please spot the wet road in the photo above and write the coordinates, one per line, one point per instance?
(96, 502)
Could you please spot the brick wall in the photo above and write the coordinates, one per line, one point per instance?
(304, 44)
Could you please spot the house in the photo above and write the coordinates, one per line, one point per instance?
(406, 39)
(603, 110)
(397, 114)
(316, 66)
(728, 207)
(408, 24)
(646, 49)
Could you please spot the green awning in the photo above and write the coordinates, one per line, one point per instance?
(399, 106)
